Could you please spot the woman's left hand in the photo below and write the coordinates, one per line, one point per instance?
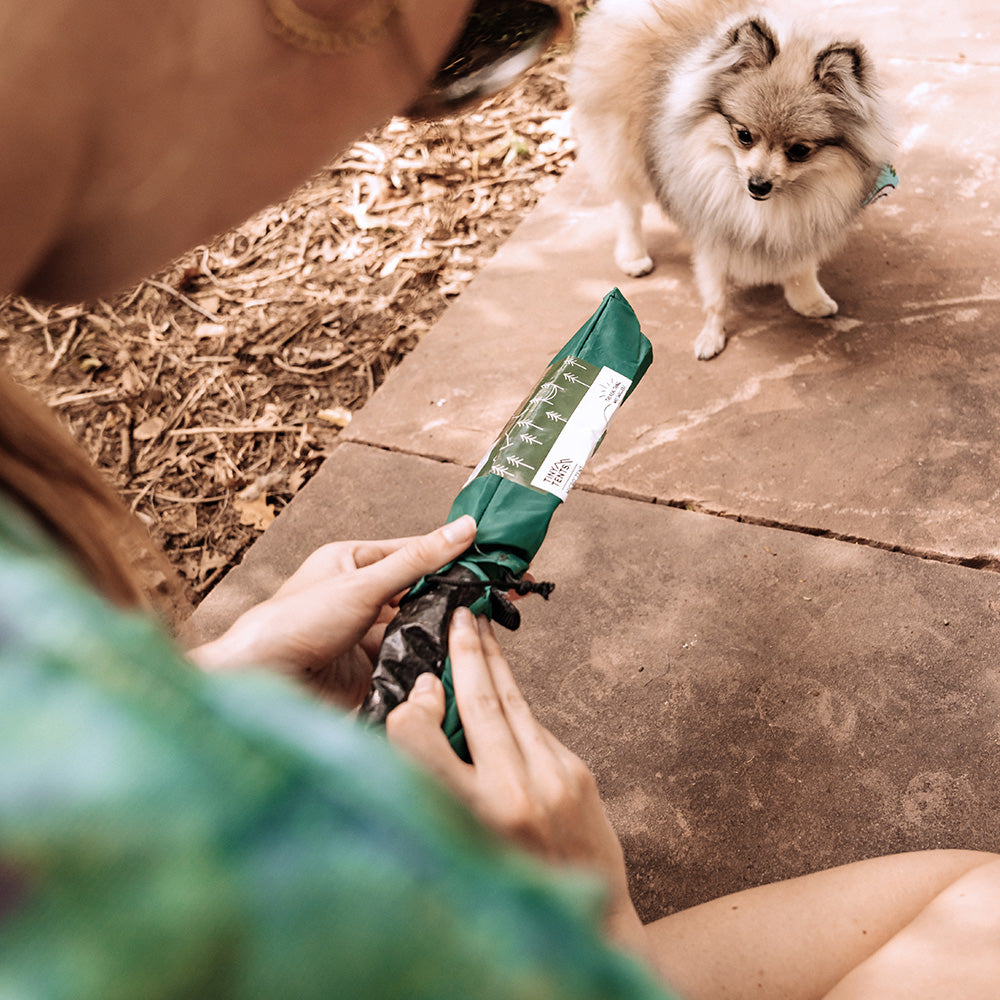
(326, 621)
(523, 783)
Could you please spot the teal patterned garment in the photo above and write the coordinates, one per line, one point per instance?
(165, 833)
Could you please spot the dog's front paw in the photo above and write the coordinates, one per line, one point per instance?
(806, 296)
(815, 308)
(635, 267)
(710, 342)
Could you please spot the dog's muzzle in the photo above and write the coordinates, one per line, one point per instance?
(759, 189)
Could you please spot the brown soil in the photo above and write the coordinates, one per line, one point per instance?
(210, 393)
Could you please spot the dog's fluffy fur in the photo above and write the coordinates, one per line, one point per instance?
(760, 145)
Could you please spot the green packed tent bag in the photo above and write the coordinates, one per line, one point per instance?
(513, 494)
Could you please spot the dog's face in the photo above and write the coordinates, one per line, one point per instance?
(784, 113)
(766, 159)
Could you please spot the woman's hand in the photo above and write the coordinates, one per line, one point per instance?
(326, 621)
(523, 783)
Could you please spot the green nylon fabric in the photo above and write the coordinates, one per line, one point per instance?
(169, 834)
(513, 519)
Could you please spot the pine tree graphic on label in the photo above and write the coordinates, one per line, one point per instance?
(555, 415)
(546, 393)
(525, 424)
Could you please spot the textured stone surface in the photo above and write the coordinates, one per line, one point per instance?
(876, 424)
(755, 702)
(775, 689)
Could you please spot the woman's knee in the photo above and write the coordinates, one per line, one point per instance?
(951, 948)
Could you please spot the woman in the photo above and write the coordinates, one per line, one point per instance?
(166, 831)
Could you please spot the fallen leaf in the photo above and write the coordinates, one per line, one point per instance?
(297, 480)
(339, 416)
(255, 513)
(150, 429)
(181, 520)
(210, 303)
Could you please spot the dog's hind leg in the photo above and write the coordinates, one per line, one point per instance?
(711, 275)
(630, 246)
(805, 294)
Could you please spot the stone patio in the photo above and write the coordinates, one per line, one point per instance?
(775, 634)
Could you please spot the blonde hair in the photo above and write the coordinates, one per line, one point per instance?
(44, 470)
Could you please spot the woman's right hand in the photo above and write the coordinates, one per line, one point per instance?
(523, 783)
(327, 620)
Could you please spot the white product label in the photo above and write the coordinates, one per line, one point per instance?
(558, 427)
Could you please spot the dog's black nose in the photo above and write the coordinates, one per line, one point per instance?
(759, 189)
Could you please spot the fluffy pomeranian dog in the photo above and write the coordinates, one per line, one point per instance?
(761, 146)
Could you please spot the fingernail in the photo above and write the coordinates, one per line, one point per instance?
(464, 529)
(424, 683)
(464, 618)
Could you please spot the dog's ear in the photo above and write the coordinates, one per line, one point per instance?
(844, 71)
(751, 44)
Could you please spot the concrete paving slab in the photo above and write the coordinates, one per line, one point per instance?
(878, 424)
(962, 31)
(756, 700)
(755, 703)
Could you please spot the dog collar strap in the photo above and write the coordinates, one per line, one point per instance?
(886, 181)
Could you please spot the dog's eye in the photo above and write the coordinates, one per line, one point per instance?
(798, 152)
(744, 137)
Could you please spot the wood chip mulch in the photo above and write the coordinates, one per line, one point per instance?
(210, 393)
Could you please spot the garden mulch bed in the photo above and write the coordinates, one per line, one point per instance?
(211, 392)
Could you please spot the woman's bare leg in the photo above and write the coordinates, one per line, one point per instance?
(796, 940)
(951, 949)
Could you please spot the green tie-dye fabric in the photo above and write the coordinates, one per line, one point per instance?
(165, 833)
